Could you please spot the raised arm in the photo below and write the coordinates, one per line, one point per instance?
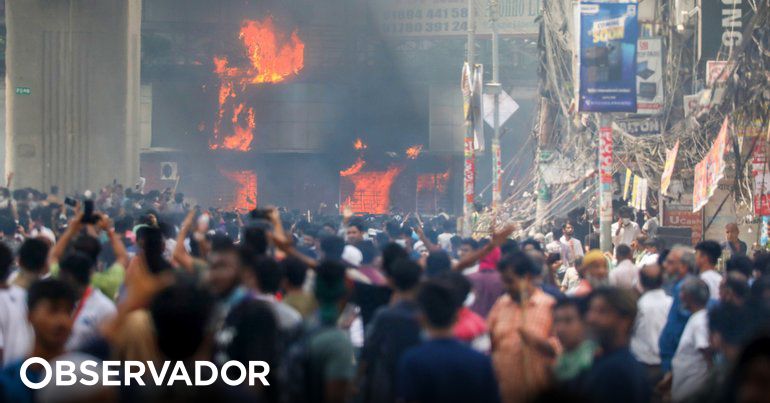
(421, 234)
(141, 287)
(73, 228)
(118, 248)
(286, 245)
(498, 238)
(275, 221)
(180, 255)
(347, 214)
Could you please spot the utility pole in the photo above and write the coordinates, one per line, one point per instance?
(469, 174)
(544, 128)
(494, 88)
(605, 182)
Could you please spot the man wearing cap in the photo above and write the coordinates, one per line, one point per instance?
(593, 273)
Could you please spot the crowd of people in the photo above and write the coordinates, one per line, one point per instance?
(374, 309)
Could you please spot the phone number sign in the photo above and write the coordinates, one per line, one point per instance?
(426, 18)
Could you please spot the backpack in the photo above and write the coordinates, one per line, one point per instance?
(295, 371)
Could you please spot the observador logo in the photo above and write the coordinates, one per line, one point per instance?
(108, 373)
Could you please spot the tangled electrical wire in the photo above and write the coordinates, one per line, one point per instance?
(746, 99)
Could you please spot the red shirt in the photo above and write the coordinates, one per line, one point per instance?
(469, 325)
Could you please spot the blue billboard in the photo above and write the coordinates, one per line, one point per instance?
(608, 35)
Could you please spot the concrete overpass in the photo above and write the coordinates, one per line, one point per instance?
(72, 92)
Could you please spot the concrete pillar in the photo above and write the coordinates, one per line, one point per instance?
(2, 133)
(72, 92)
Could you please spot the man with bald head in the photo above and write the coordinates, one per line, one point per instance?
(652, 307)
(690, 365)
(732, 244)
(678, 267)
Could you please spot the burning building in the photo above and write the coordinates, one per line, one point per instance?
(272, 58)
(260, 102)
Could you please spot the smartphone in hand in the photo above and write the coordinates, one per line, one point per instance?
(88, 213)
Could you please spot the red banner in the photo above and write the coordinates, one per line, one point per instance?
(469, 172)
(605, 154)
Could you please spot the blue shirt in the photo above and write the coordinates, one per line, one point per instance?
(616, 377)
(394, 330)
(12, 389)
(445, 370)
(672, 332)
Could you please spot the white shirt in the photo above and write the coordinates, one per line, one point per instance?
(170, 245)
(96, 309)
(352, 255)
(470, 270)
(572, 248)
(288, 317)
(571, 279)
(651, 226)
(445, 241)
(15, 332)
(651, 317)
(44, 232)
(624, 275)
(712, 279)
(554, 247)
(627, 234)
(689, 367)
(648, 258)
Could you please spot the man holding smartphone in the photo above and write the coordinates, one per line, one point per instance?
(108, 280)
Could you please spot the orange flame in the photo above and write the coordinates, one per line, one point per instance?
(413, 152)
(272, 59)
(245, 182)
(371, 191)
(243, 135)
(355, 168)
(432, 182)
(359, 145)
(271, 62)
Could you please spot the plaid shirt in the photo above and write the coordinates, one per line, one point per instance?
(521, 370)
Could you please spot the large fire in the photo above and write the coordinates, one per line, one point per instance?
(273, 58)
(245, 185)
(432, 182)
(371, 191)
